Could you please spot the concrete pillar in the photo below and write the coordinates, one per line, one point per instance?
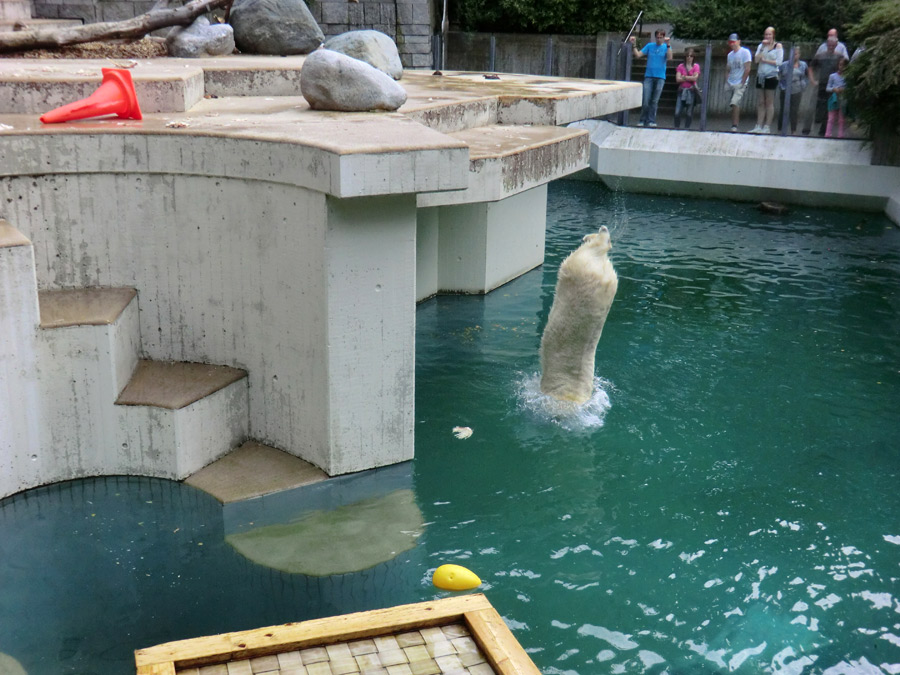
(370, 289)
(483, 245)
(427, 232)
(19, 387)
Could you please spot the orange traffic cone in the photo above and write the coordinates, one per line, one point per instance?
(115, 96)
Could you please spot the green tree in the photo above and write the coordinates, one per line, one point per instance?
(873, 78)
(796, 20)
(573, 17)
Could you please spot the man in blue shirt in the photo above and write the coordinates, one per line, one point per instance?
(657, 53)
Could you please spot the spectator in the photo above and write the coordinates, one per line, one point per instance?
(736, 75)
(657, 54)
(769, 56)
(836, 103)
(824, 63)
(796, 73)
(687, 75)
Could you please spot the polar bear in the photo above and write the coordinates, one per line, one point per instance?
(585, 288)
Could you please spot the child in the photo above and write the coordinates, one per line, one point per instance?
(835, 87)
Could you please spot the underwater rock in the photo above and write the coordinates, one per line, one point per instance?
(585, 288)
(371, 46)
(9, 666)
(334, 81)
(347, 539)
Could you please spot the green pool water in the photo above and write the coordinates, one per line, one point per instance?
(729, 502)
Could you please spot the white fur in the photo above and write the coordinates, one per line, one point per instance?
(585, 288)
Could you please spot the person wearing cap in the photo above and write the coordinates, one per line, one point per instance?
(737, 73)
(657, 53)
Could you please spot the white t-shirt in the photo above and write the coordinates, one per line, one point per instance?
(736, 61)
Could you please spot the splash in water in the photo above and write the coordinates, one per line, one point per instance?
(568, 415)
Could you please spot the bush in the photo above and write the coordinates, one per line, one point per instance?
(572, 17)
(873, 78)
(797, 20)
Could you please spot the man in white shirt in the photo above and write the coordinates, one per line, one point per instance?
(736, 75)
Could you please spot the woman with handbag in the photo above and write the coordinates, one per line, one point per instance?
(686, 75)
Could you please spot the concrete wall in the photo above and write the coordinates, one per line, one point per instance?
(230, 272)
(411, 23)
(746, 167)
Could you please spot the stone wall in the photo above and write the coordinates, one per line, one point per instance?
(410, 23)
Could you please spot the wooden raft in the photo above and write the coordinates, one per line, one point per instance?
(458, 636)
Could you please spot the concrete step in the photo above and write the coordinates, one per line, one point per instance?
(174, 385)
(253, 470)
(174, 418)
(83, 306)
(88, 345)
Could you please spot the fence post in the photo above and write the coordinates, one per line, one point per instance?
(436, 51)
(548, 56)
(707, 64)
(629, 56)
(786, 101)
(492, 64)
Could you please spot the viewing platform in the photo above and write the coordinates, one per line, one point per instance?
(287, 245)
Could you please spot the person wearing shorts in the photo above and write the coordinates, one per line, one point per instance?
(769, 56)
(736, 74)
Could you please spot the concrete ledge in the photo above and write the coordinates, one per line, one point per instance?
(507, 160)
(36, 86)
(893, 207)
(744, 167)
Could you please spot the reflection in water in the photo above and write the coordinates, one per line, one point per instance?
(9, 666)
(350, 538)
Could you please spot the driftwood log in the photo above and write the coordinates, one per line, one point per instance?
(156, 18)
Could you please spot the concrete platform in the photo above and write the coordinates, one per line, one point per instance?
(254, 470)
(824, 172)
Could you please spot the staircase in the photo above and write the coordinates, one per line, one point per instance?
(76, 398)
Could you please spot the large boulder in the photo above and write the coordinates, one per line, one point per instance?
(200, 39)
(371, 46)
(275, 27)
(330, 80)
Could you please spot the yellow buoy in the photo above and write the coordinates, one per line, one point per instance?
(455, 578)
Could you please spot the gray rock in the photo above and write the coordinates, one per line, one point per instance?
(278, 27)
(200, 39)
(333, 81)
(371, 46)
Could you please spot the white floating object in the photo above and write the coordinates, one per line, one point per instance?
(462, 432)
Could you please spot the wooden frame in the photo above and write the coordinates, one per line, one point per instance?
(501, 648)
